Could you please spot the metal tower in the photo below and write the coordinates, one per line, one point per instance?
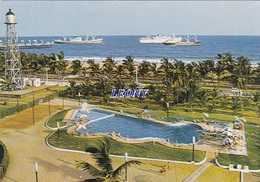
(13, 66)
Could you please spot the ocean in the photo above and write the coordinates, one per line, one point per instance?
(121, 46)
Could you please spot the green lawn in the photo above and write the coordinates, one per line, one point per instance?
(52, 122)
(148, 150)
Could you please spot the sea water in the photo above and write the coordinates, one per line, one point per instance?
(119, 47)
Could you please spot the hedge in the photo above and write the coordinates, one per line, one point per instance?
(4, 160)
(13, 110)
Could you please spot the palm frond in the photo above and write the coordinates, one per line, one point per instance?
(88, 167)
(123, 166)
(93, 150)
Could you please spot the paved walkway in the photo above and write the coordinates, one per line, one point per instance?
(196, 173)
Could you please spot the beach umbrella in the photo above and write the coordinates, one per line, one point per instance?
(227, 140)
(243, 119)
(238, 120)
(228, 133)
(205, 114)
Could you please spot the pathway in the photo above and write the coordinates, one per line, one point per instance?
(196, 173)
(203, 167)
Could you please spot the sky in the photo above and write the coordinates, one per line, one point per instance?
(67, 18)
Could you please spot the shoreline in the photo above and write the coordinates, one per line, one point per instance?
(138, 60)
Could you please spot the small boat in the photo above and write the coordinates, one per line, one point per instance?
(186, 41)
(158, 39)
(79, 40)
(29, 45)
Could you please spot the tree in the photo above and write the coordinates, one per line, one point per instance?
(103, 88)
(256, 71)
(94, 67)
(179, 76)
(211, 100)
(120, 71)
(72, 90)
(191, 83)
(7, 84)
(76, 67)
(103, 168)
(86, 88)
(119, 84)
(109, 66)
(144, 68)
(128, 64)
(58, 66)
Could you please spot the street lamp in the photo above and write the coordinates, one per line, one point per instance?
(36, 170)
(33, 110)
(79, 97)
(126, 158)
(49, 106)
(18, 106)
(62, 102)
(58, 126)
(193, 145)
(136, 74)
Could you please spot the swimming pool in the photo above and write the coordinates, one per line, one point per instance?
(134, 128)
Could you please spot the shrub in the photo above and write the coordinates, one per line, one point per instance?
(4, 160)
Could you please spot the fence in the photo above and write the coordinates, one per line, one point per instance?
(21, 107)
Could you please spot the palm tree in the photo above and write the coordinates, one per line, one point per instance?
(144, 68)
(72, 89)
(191, 83)
(153, 70)
(120, 71)
(94, 67)
(86, 88)
(76, 67)
(7, 84)
(103, 88)
(61, 55)
(128, 64)
(257, 74)
(205, 67)
(119, 84)
(58, 66)
(103, 168)
(245, 66)
(109, 66)
(179, 78)
(219, 71)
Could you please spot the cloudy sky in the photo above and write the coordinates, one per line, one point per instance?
(45, 18)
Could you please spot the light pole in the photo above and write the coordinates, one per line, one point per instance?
(58, 126)
(79, 97)
(193, 145)
(62, 102)
(18, 106)
(47, 80)
(136, 74)
(36, 170)
(49, 106)
(126, 158)
(33, 110)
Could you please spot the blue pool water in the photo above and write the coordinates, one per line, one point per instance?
(134, 128)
